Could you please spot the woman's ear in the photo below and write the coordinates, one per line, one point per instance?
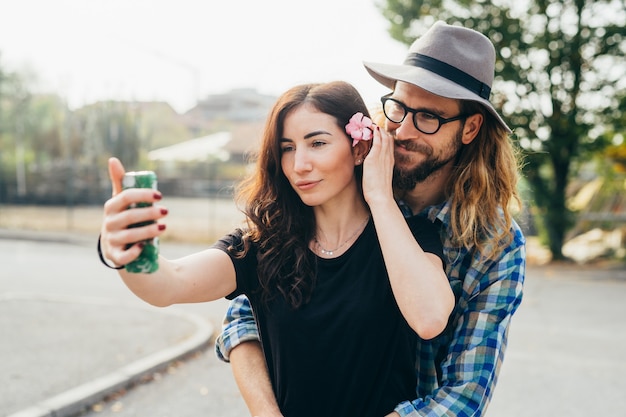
(360, 151)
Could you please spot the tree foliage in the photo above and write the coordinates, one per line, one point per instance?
(49, 154)
(560, 73)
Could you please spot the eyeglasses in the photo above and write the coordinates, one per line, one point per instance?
(423, 121)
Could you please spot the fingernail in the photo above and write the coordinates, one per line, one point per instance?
(157, 196)
(161, 227)
(163, 211)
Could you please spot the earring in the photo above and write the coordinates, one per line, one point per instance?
(358, 161)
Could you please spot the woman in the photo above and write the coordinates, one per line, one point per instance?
(340, 286)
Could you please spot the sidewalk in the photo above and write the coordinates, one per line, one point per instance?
(86, 350)
(64, 353)
(65, 350)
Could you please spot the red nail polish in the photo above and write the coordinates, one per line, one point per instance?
(157, 196)
(161, 227)
(164, 211)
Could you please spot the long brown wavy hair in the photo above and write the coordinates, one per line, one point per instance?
(483, 187)
(279, 223)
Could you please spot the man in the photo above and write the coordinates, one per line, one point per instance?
(454, 163)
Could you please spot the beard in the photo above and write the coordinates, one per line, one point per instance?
(407, 179)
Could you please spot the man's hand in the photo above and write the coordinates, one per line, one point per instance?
(394, 414)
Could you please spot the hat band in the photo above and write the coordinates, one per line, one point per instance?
(451, 73)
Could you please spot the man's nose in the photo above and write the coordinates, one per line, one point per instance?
(404, 130)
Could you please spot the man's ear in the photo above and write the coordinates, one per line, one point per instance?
(472, 127)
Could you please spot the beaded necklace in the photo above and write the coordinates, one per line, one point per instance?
(330, 252)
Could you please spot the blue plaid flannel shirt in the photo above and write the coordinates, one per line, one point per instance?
(457, 371)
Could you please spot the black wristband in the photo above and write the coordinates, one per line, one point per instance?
(102, 257)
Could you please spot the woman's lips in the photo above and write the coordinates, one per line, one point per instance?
(306, 185)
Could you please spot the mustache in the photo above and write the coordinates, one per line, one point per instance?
(412, 146)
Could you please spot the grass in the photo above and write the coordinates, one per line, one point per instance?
(194, 221)
(189, 220)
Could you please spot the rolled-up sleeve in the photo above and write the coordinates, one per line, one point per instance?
(238, 326)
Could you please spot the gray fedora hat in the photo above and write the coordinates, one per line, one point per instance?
(449, 61)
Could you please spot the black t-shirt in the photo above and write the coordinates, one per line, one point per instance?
(348, 351)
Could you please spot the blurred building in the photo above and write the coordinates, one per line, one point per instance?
(209, 165)
(243, 105)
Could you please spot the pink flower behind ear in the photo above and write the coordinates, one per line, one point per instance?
(359, 128)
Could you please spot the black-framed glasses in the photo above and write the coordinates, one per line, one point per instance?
(423, 121)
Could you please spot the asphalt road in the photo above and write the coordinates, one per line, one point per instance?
(565, 356)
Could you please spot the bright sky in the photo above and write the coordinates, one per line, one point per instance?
(182, 50)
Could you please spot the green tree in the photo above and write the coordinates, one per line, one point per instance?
(30, 135)
(109, 128)
(15, 100)
(616, 134)
(560, 68)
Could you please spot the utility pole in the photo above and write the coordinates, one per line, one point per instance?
(20, 163)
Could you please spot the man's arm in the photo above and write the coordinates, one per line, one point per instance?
(239, 344)
(253, 380)
(470, 368)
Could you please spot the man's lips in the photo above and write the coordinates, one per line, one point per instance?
(404, 144)
(402, 147)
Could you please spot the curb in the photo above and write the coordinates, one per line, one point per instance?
(76, 400)
(70, 238)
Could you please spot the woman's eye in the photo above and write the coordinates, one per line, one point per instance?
(286, 149)
(318, 143)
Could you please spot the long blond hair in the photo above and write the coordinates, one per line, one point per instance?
(482, 188)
